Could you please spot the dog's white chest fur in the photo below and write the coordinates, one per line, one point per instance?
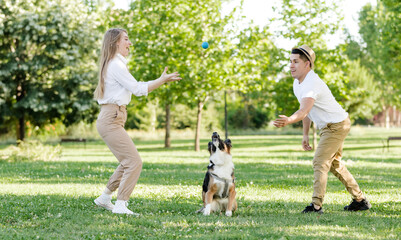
(223, 164)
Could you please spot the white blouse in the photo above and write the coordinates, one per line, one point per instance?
(119, 84)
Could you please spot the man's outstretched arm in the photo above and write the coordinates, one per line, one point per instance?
(304, 109)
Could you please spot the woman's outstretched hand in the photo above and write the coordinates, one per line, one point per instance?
(169, 77)
(164, 78)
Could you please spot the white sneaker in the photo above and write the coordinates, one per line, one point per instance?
(104, 202)
(121, 208)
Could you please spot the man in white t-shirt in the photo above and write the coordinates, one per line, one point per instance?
(318, 104)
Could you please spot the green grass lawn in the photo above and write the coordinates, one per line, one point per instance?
(53, 199)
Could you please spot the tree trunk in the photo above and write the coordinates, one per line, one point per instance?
(198, 126)
(21, 129)
(153, 117)
(387, 117)
(167, 140)
(21, 118)
(225, 114)
(393, 120)
(314, 130)
(245, 124)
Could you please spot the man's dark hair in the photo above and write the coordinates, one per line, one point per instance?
(301, 55)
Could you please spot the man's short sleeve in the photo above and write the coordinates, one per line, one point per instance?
(311, 90)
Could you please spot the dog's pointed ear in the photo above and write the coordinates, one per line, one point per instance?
(228, 143)
(209, 147)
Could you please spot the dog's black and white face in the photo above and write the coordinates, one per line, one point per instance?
(218, 143)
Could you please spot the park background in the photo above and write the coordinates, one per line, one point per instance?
(48, 71)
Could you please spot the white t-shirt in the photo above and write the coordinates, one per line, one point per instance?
(119, 84)
(325, 109)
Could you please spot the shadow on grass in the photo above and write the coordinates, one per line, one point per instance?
(259, 173)
(152, 173)
(361, 148)
(179, 145)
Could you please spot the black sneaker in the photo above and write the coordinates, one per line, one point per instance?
(358, 206)
(311, 208)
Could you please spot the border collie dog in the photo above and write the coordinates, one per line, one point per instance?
(218, 186)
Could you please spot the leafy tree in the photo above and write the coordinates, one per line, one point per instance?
(251, 116)
(170, 33)
(362, 95)
(46, 62)
(145, 119)
(379, 28)
(256, 67)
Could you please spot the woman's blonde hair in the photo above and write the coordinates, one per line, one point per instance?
(109, 50)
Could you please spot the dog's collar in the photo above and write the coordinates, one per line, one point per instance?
(221, 179)
(226, 183)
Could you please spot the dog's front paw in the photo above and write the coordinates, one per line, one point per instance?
(200, 210)
(206, 210)
(229, 213)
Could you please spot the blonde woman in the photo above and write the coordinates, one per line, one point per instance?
(113, 93)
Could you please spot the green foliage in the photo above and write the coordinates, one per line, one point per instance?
(151, 117)
(257, 61)
(307, 21)
(46, 132)
(251, 117)
(184, 117)
(379, 28)
(170, 33)
(143, 117)
(257, 66)
(284, 99)
(332, 69)
(362, 94)
(30, 151)
(245, 111)
(48, 54)
(47, 66)
(173, 38)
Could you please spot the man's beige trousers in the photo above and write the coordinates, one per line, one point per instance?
(328, 158)
(110, 125)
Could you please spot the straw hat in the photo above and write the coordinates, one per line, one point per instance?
(309, 53)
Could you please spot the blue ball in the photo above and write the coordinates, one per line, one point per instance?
(205, 45)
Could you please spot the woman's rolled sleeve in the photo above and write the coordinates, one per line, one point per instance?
(126, 80)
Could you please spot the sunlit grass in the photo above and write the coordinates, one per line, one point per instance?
(53, 199)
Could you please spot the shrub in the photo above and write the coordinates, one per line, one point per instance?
(30, 151)
(250, 117)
